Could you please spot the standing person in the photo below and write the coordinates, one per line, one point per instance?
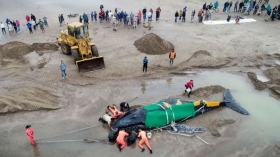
(59, 20)
(124, 106)
(152, 12)
(189, 86)
(45, 21)
(241, 5)
(62, 19)
(192, 15)
(15, 26)
(267, 16)
(33, 24)
(10, 28)
(29, 26)
(134, 22)
(110, 15)
(144, 140)
(85, 17)
(139, 16)
(176, 16)
(120, 139)
(115, 22)
(230, 4)
(144, 11)
(145, 64)
(99, 15)
(27, 18)
(101, 7)
(95, 16)
(63, 69)
(33, 18)
(30, 133)
(18, 26)
(41, 25)
(172, 56)
(3, 28)
(180, 14)
(91, 15)
(235, 6)
(204, 6)
(184, 16)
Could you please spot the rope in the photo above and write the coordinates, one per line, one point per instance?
(167, 120)
(189, 136)
(172, 113)
(71, 132)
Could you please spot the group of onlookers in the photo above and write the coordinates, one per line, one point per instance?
(31, 23)
(13, 27)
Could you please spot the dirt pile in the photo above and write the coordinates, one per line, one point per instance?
(208, 90)
(273, 74)
(15, 50)
(152, 44)
(203, 59)
(44, 47)
(213, 127)
(27, 99)
(259, 85)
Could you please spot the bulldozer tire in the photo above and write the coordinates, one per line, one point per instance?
(76, 55)
(94, 51)
(65, 48)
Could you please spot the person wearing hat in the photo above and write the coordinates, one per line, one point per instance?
(29, 133)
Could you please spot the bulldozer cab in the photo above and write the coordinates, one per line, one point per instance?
(78, 30)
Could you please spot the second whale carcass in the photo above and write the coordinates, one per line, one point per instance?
(166, 112)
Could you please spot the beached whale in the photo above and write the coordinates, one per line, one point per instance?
(166, 112)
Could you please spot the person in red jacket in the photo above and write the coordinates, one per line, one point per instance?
(189, 85)
(30, 133)
(27, 18)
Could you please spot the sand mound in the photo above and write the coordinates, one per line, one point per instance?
(199, 54)
(15, 50)
(273, 74)
(208, 90)
(152, 44)
(259, 85)
(27, 99)
(213, 127)
(44, 47)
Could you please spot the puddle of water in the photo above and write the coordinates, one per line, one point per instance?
(277, 62)
(262, 78)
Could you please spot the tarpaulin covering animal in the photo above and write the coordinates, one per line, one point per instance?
(168, 111)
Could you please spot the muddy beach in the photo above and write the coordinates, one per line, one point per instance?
(216, 57)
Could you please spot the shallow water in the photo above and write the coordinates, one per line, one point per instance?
(259, 126)
(277, 62)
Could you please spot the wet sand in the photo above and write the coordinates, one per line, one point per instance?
(84, 97)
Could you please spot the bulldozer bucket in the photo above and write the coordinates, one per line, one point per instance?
(91, 64)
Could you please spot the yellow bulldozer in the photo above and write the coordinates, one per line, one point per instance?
(75, 41)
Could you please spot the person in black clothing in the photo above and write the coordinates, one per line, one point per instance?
(144, 11)
(33, 18)
(204, 6)
(101, 7)
(241, 5)
(184, 16)
(124, 106)
(80, 19)
(176, 16)
(157, 14)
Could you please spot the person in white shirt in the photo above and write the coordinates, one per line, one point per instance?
(3, 28)
(110, 15)
(10, 28)
(134, 22)
(115, 22)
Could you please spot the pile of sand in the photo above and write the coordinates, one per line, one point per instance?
(152, 44)
(213, 127)
(208, 90)
(259, 85)
(15, 50)
(27, 99)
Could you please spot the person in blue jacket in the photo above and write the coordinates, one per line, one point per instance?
(29, 26)
(145, 64)
(63, 69)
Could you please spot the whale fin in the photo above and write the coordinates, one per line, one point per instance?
(230, 102)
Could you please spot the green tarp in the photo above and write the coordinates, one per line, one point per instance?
(156, 116)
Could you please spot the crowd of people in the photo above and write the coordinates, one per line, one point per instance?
(31, 23)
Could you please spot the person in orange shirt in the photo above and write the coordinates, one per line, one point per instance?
(30, 133)
(139, 17)
(120, 139)
(144, 139)
(172, 56)
(115, 112)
